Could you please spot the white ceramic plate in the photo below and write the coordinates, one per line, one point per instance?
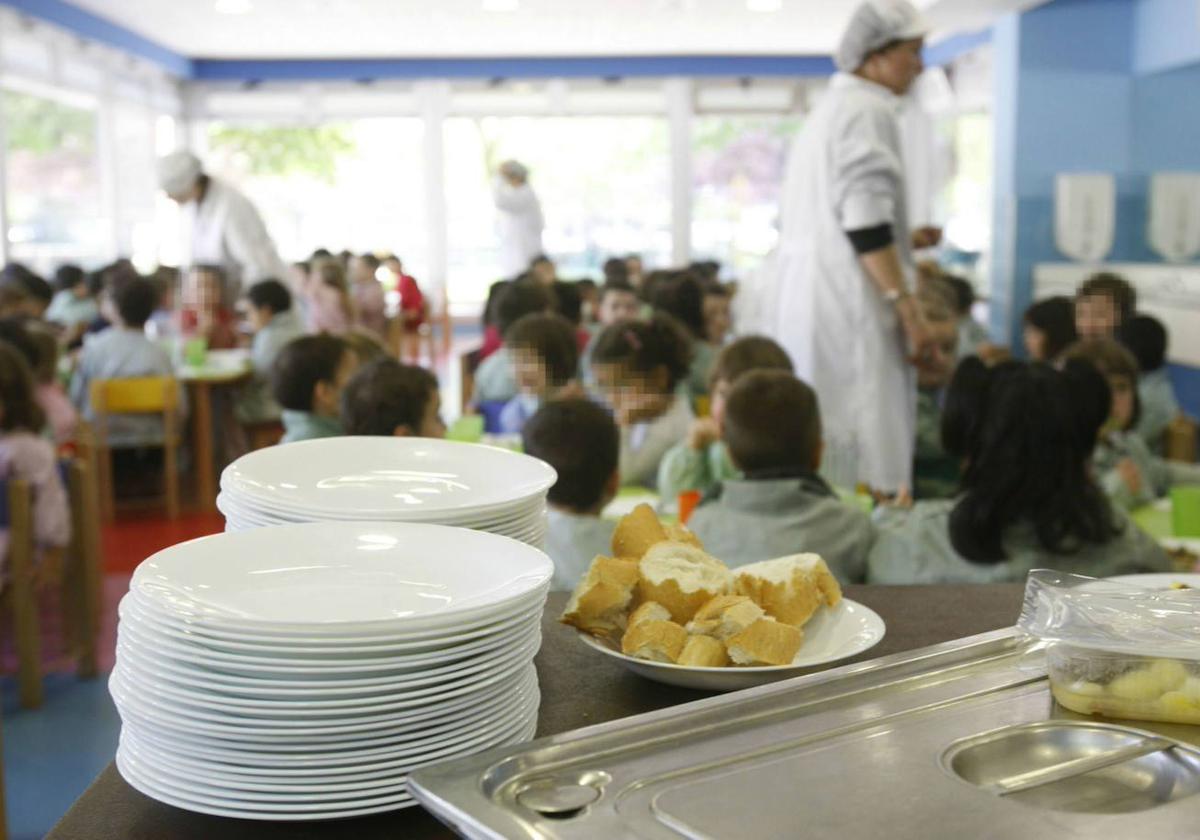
(346, 577)
(830, 636)
(387, 477)
(1160, 580)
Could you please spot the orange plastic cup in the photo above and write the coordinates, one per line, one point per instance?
(688, 500)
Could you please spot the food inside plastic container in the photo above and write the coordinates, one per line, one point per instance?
(1117, 649)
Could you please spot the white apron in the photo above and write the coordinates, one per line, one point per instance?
(519, 226)
(845, 172)
(226, 230)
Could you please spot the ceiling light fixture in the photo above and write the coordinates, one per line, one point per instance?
(500, 5)
(233, 7)
(764, 5)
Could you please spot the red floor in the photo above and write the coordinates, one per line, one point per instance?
(132, 538)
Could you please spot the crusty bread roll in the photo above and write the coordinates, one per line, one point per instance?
(679, 533)
(703, 652)
(637, 531)
(790, 589)
(765, 642)
(649, 611)
(725, 616)
(682, 578)
(602, 599)
(657, 641)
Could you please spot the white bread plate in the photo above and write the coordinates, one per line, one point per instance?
(833, 634)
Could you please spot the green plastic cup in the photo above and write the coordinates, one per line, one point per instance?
(1185, 511)
(467, 429)
(195, 352)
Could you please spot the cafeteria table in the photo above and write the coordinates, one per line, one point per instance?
(580, 687)
(224, 372)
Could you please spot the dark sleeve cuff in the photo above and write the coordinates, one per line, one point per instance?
(866, 240)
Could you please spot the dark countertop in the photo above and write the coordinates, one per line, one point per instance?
(580, 687)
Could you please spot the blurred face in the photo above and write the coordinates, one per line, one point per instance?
(543, 272)
(1035, 343)
(80, 290)
(190, 194)
(618, 308)
(361, 271)
(897, 68)
(327, 395)
(202, 290)
(1123, 394)
(259, 316)
(634, 397)
(530, 371)
(1096, 316)
(946, 335)
(717, 318)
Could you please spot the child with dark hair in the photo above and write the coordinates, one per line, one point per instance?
(495, 380)
(62, 419)
(935, 473)
(973, 337)
(1127, 470)
(275, 324)
(638, 368)
(123, 352)
(1028, 500)
(579, 439)
(392, 399)
(1146, 338)
(779, 505)
(545, 360)
(205, 311)
(1102, 304)
(680, 295)
(718, 313)
(307, 382)
(36, 293)
(25, 454)
(74, 305)
(1049, 329)
(701, 460)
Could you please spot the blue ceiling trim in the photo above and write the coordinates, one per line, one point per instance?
(945, 51)
(511, 68)
(93, 27)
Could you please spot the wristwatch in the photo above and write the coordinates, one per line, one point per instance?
(894, 295)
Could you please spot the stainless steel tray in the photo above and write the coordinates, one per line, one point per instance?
(956, 740)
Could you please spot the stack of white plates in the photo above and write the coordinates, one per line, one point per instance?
(303, 672)
(388, 479)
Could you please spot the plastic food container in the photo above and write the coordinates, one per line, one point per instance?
(1117, 649)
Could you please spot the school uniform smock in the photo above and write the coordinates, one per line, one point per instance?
(573, 541)
(747, 520)
(684, 468)
(1159, 408)
(643, 445)
(846, 173)
(913, 546)
(1158, 474)
(255, 403)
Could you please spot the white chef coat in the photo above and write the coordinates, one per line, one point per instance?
(845, 172)
(519, 226)
(225, 229)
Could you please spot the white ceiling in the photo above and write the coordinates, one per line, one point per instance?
(464, 28)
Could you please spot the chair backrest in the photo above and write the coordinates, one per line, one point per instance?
(140, 395)
(1180, 443)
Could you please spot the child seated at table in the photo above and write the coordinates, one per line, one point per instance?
(495, 379)
(779, 506)
(679, 294)
(579, 439)
(204, 312)
(307, 382)
(1049, 329)
(330, 307)
(392, 399)
(545, 359)
(370, 304)
(74, 304)
(935, 473)
(701, 460)
(1128, 471)
(1102, 303)
(618, 303)
(1146, 338)
(25, 454)
(275, 325)
(639, 369)
(1027, 497)
(122, 351)
(61, 418)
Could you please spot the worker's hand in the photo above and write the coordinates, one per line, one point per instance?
(1130, 475)
(926, 237)
(902, 498)
(703, 434)
(924, 350)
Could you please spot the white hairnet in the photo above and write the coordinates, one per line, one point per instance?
(515, 169)
(178, 171)
(874, 24)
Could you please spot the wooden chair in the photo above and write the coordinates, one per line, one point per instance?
(84, 568)
(1180, 443)
(20, 594)
(142, 395)
(468, 363)
(264, 434)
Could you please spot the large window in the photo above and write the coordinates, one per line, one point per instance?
(737, 175)
(353, 185)
(55, 211)
(968, 196)
(604, 185)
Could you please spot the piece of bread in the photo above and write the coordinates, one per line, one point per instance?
(725, 616)
(649, 611)
(703, 652)
(657, 641)
(679, 533)
(790, 589)
(602, 599)
(637, 531)
(765, 642)
(682, 578)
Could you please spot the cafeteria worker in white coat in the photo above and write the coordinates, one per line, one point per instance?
(225, 228)
(843, 268)
(520, 223)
